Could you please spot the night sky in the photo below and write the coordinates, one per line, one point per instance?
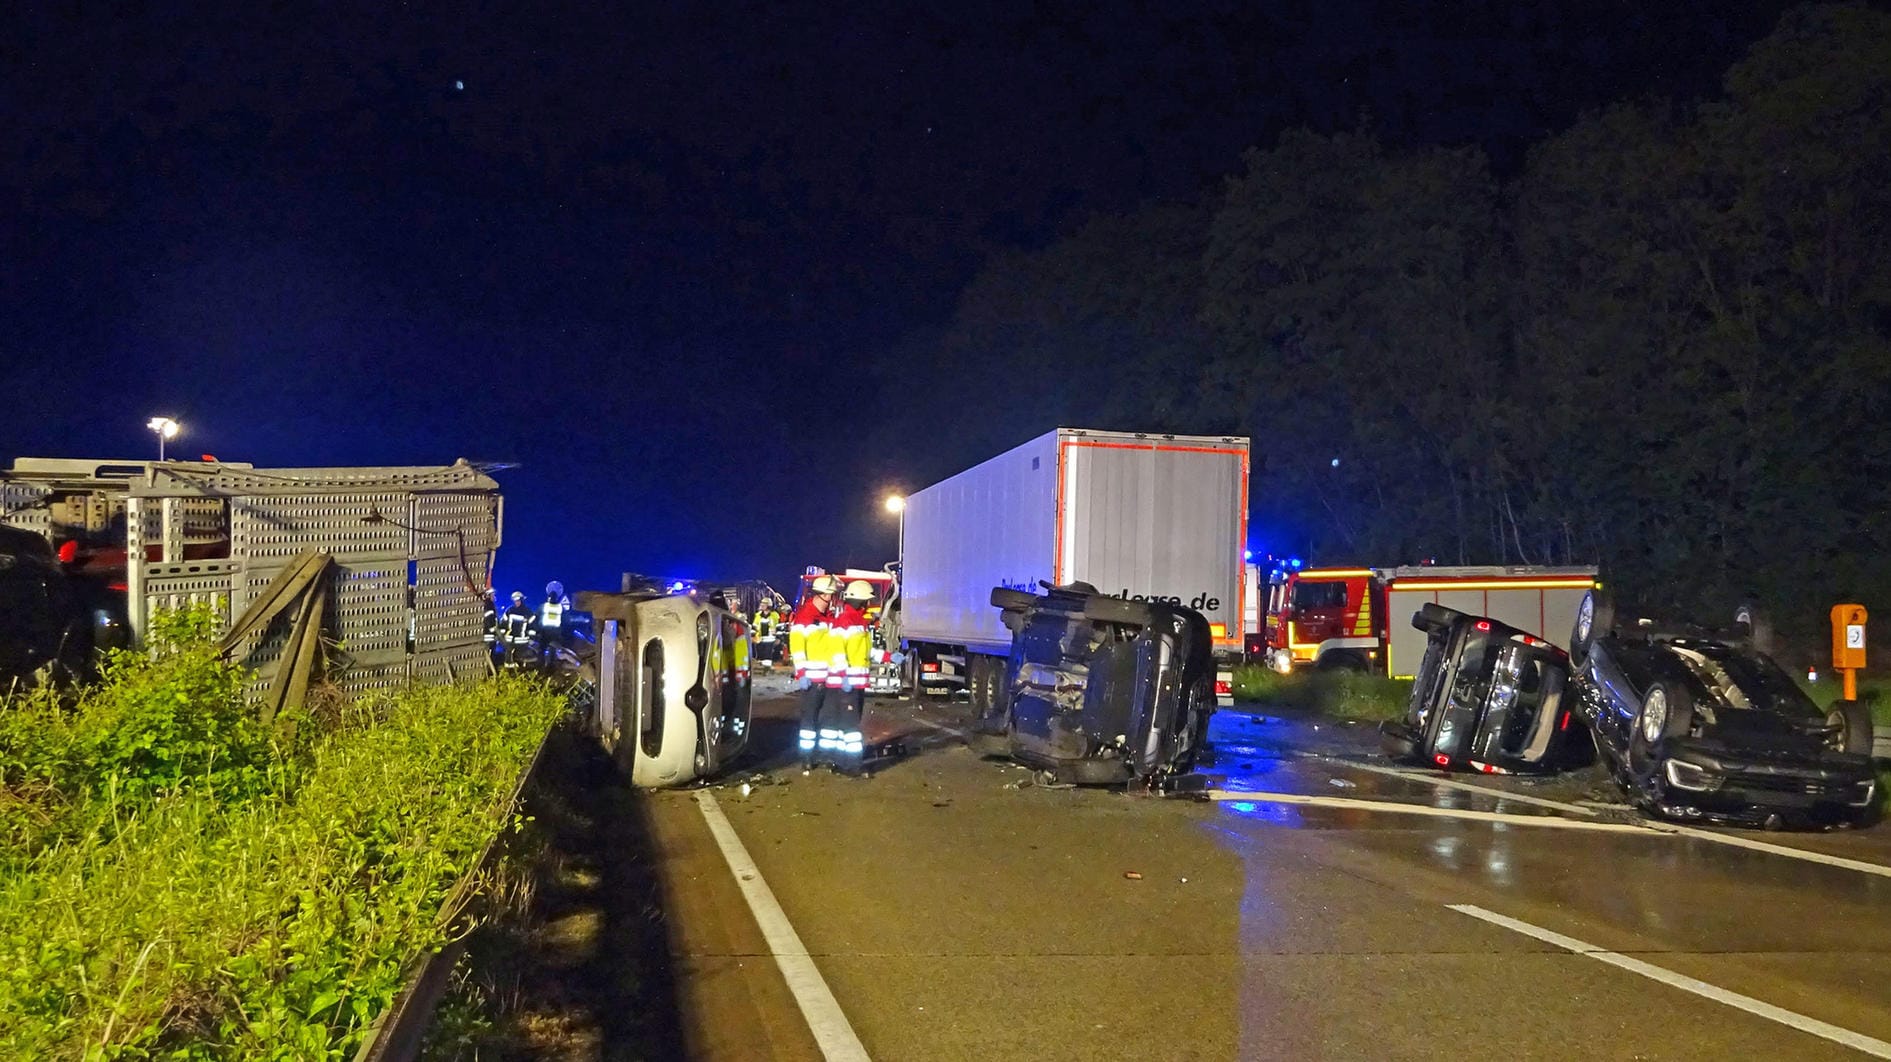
(660, 258)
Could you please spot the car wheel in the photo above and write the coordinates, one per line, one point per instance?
(1667, 712)
(1432, 616)
(1594, 617)
(1003, 597)
(1397, 747)
(1100, 609)
(1853, 720)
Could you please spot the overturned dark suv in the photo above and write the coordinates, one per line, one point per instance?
(1487, 697)
(1700, 723)
(1099, 690)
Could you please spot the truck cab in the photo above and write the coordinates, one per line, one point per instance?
(1323, 617)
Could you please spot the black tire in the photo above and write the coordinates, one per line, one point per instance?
(1431, 616)
(1396, 744)
(975, 684)
(1853, 719)
(1595, 617)
(1006, 598)
(1666, 713)
(1102, 609)
(916, 673)
(1759, 628)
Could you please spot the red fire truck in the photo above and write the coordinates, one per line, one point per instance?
(1360, 618)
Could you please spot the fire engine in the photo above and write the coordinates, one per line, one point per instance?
(884, 673)
(1360, 618)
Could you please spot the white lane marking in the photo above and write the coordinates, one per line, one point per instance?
(1398, 808)
(1857, 1041)
(830, 1027)
(953, 730)
(1770, 848)
(1452, 783)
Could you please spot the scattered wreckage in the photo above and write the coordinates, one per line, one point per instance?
(1100, 690)
(1692, 722)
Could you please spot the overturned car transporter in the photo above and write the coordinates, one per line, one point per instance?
(409, 554)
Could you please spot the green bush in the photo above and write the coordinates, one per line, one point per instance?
(176, 883)
(1340, 694)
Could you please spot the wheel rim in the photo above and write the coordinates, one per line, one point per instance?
(1654, 715)
(1585, 618)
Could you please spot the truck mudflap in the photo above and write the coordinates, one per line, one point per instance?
(1100, 690)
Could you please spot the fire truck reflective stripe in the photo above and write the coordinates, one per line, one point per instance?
(1518, 584)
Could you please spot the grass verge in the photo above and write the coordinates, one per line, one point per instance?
(1339, 694)
(178, 882)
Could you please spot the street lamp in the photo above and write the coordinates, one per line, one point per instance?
(896, 504)
(166, 429)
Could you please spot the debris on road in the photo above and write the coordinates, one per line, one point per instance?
(1341, 783)
(1132, 875)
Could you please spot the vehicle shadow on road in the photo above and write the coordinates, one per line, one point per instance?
(583, 971)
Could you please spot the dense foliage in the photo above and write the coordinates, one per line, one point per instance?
(1663, 346)
(177, 881)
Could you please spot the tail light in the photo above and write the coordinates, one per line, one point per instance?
(1223, 686)
(1564, 725)
(1441, 760)
(1483, 625)
(929, 668)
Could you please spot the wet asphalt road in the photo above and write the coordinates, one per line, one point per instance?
(956, 910)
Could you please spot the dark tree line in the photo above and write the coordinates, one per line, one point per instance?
(1664, 346)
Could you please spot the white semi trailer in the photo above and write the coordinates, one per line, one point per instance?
(1136, 516)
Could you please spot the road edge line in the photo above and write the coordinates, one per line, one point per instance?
(832, 1032)
(1759, 1008)
(1230, 796)
(1790, 852)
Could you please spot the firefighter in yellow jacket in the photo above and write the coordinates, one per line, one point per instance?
(810, 649)
(850, 641)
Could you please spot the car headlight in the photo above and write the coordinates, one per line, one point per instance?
(1683, 775)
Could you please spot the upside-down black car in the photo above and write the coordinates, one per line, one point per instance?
(1696, 723)
(1487, 696)
(1101, 690)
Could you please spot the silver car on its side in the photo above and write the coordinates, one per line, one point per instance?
(673, 687)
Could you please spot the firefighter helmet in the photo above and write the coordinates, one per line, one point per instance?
(859, 592)
(825, 584)
(518, 597)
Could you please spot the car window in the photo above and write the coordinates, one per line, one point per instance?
(1318, 595)
(1765, 685)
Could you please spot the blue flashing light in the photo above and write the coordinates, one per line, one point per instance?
(1294, 564)
(1247, 554)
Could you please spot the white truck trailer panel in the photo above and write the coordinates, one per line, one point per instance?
(1141, 516)
(1539, 601)
(993, 524)
(1166, 517)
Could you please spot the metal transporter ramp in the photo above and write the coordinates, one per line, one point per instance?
(412, 550)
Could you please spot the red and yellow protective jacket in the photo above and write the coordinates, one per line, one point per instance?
(850, 640)
(809, 642)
